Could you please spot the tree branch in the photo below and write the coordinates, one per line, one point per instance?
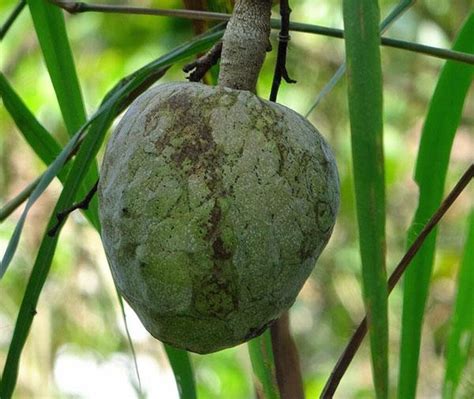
(79, 7)
(357, 338)
(199, 67)
(84, 204)
(74, 7)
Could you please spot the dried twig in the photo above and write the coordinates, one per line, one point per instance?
(62, 216)
(199, 67)
(357, 338)
(283, 39)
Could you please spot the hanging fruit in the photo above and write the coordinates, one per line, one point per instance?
(215, 203)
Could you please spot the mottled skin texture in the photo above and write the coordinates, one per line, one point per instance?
(214, 205)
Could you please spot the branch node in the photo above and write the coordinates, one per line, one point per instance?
(62, 216)
(199, 67)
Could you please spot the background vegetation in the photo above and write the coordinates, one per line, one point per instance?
(77, 345)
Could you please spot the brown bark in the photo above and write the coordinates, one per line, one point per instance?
(287, 365)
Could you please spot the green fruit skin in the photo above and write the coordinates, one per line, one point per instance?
(215, 205)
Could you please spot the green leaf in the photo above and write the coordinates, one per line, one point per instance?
(396, 13)
(440, 126)
(8, 208)
(43, 183)
(49, 24)
(461, 334)
(183, 372)
(263, 365)
(50, 29)
(115, 101)
(44, 144)
(44, 259)
(362, 38)
(40, 140)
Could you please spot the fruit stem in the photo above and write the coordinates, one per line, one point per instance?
(245, 42)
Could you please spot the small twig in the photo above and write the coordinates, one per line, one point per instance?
(80, 7)
(11, 18)
(199, 67)
(283, 39)
(285, 352)
(442, 53)
(84, 204)
(357, 338)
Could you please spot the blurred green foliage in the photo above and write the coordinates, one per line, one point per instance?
(78, 315)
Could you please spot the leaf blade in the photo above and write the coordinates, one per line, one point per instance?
(183, 372)
(48, 21)
(440, 125)
(44, 144)
(461, 334)
(362, 38)
(263, 365)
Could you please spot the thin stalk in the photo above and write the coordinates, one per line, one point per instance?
(80, 7)
(436, 52)
(396, 13)
(285, 353)
(358, 336)
(12, 18)
(283, 39)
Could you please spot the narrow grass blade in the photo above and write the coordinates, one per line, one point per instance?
(442, 120)
(40, 140)
(263, 365)
(49, 24)
(123, 93)
(183, 372)
(361, 23)
(396, 13)
(462, 322)
(50, 29)
(327, 88)
(44, 182)
(10, 207)
(12, 18)
(130, 342)
(46, 252)
(45, 146)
